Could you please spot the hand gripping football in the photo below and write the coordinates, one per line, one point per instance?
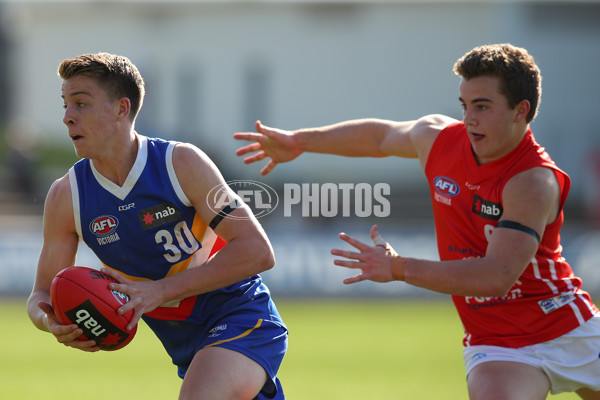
(81, 296)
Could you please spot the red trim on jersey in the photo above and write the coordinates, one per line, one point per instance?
(183, 309)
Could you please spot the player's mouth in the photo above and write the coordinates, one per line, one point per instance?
(476, 137)
(76, 137)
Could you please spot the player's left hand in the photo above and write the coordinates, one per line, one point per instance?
(144, 296)
(375, 262)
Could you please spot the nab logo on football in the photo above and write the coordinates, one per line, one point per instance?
(95, 326)
(104, 225)
(446, 186)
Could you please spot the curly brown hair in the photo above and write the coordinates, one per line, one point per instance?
(520, 77)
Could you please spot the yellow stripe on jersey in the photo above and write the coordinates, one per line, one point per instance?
(130, 277)
(207, 241)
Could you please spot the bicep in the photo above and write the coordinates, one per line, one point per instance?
(60, 240)
(199, 177)
(529, 200)
(532, 198)
(510, 251)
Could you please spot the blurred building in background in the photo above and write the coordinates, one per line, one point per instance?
(213, 67)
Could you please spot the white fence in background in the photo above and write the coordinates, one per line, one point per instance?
(304, 264)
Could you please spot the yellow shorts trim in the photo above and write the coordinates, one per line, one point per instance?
(249, 331)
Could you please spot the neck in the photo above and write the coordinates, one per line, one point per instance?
(118, 161)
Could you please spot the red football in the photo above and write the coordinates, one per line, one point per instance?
(81, 296)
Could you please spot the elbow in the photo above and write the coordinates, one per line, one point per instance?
(500, 287)
(502, 276)
(268, 261)
(498, 290)
(265, 258)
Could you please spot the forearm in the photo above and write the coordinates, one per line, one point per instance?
(37, 316)
(469, 277)
(355, 138)
(237, 261)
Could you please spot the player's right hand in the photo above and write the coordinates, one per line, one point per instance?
(66, 334)
(279, 145)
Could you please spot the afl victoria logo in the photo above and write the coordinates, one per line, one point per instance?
(104, 225)
(446, 186)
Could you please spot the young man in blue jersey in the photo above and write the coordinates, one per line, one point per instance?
(190, 273)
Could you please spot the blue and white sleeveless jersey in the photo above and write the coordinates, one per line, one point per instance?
(148, 229)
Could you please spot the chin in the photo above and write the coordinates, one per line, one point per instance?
(81, 153)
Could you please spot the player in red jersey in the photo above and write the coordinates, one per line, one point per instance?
(498, 203)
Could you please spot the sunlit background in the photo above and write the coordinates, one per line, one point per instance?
(213, 68)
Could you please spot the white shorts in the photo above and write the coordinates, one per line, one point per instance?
(571, 361)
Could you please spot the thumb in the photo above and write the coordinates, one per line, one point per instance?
(266, 130)
(261, 128)
(376, 237)
(374, 231)
(46, 307)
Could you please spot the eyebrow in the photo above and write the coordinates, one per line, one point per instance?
(477, 100)
(76, 94)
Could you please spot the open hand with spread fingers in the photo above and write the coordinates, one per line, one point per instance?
(378, 263)
(276, 144)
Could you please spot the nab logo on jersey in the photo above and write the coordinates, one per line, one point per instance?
(104, 225)
(486, 209)
(159, 215)
(446, 186)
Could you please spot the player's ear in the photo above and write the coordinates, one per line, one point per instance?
(124, 109)
(522, 109)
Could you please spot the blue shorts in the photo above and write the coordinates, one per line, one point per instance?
(244, 320)
(263, 341)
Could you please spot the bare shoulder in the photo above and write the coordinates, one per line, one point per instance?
(533, 192)
(187, 154)
(59, 194)
(427, 128)
(197, 174)
(435, 122)
(59, 220)
(414, 139)
(540, 181)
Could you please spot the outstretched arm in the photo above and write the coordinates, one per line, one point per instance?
(354, 138)
(530, 198)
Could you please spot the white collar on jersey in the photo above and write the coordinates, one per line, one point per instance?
(138, 166)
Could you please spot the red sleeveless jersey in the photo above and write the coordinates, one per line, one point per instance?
(546, 301)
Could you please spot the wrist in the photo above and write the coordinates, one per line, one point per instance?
(399, 268)
(301, 140)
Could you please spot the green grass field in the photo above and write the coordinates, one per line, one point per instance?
(343, 349)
